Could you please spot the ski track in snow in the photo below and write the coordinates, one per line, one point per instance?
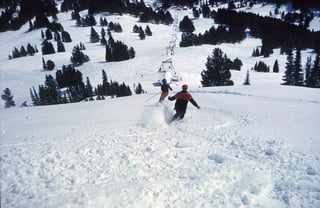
(165, 165)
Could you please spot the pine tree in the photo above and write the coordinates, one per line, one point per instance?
(60, 47)
(131, 53)
(308, 72)
(103, 33)
(106, 87)
(23, 51)
(288, 74)
(51, 91)
(42, 34)
(47, 48)
(34, 97)
(148, 31)
(136, 29)
(186, 25)
(275, 68)
(31, 51)
(261, 67)
(315, 73)
(31, 27)
(139, 89)
(78, 58)
(94, 36)
(48, 34)
(298, 73)
(50, 65)
(217, 73)
(89, 90)
(44, 65)
(142, 36)
(66, 37)
(8, 98)
(247, 80)
(16, 53)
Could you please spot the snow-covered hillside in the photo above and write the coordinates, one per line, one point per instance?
(247, 146)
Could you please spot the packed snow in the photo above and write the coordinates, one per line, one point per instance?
(247, 146)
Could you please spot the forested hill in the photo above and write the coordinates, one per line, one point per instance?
(15, 13)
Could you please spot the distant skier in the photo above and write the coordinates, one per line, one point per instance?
(182, 98)
(165, 87)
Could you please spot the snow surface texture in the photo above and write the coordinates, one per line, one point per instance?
(248, 146)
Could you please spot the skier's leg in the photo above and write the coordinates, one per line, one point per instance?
(175, 117)
(181, 116)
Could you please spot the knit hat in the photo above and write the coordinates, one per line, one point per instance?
(184, 87)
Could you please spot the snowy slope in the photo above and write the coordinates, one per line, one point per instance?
(248, 146)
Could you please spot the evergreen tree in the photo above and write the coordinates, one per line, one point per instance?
(8, 98)
(47, 48)
(308, 72)
(103, 33)
(78, 58)
(195, 12)
(275, 67)
(298, 73)
(103, 41)
(16, 53)
(148, 31)
(60, 47)
(106, 86)
(139, 89)
(94, 36)
(217, 73)
(34, 96)
(261, 67)
(237, 64)
(142, 36)
(66, 37)
(124, 90)
(50, 65)
(288, 74)
(89, 90)
(48, 34)
(42, 34)
(44, 65)
(136, 29)
(256, 52)
(131, 53)
(205, 10)
(247, 80)
(57, 36)
(315, 73)
(186, 25)
(23, 51)
(31, 51)
(51, 91)
(31, 27)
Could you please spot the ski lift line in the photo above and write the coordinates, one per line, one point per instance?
(166, 69)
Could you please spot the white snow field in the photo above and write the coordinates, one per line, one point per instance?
(247, 146)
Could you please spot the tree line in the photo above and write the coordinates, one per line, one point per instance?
(273, 32)
(68, 86)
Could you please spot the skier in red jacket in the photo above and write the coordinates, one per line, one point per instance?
(182, 98)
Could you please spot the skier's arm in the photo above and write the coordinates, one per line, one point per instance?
(169, 87)
(194, 103)
(172, 98)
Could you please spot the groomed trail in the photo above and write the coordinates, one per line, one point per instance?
(213, 158)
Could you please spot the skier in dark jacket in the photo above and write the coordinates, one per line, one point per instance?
(182, 98)
(165, 87)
